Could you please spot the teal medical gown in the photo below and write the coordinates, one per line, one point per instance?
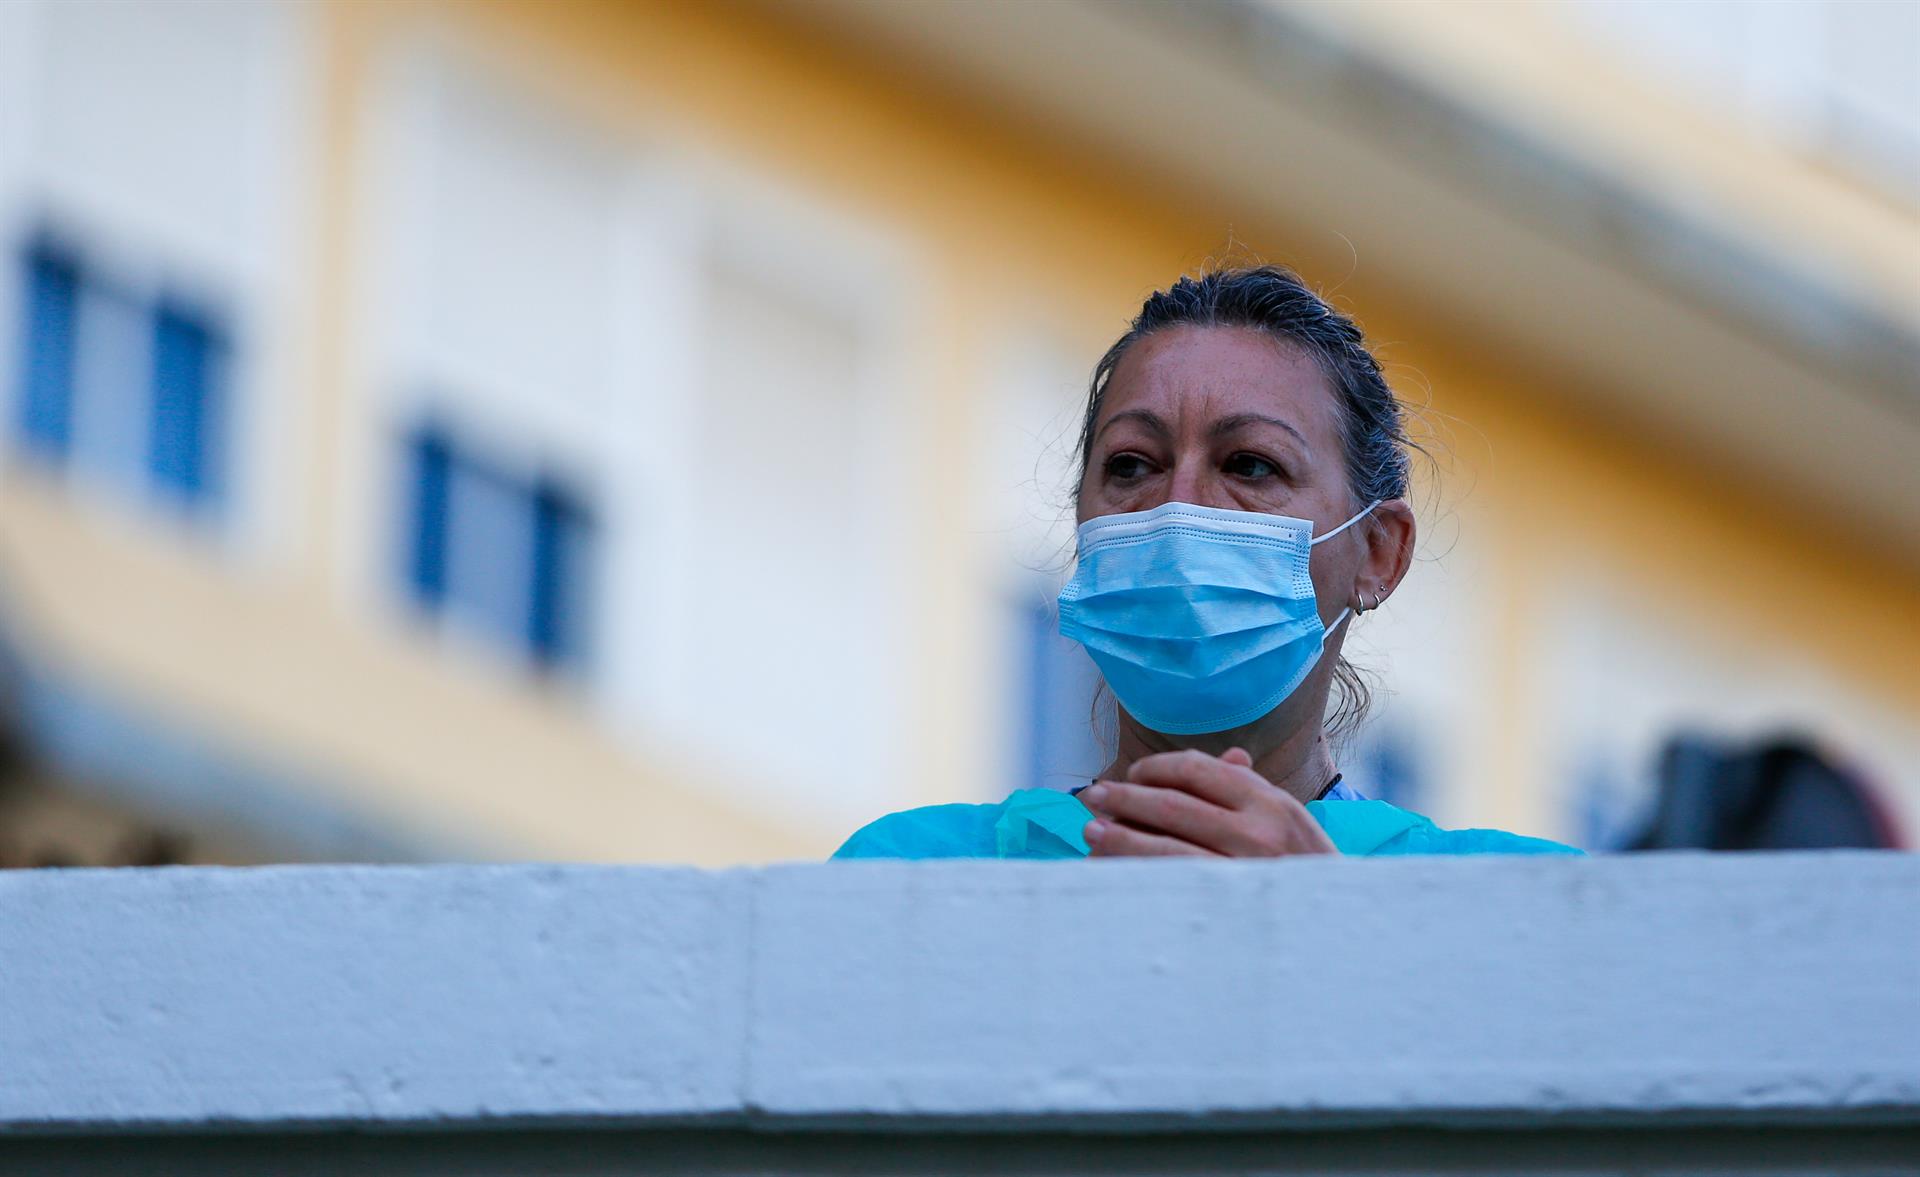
(1045, 823)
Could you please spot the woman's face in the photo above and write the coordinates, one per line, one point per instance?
(1222, 417)
(1229, 417)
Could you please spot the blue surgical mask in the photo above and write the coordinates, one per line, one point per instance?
(1201, 619)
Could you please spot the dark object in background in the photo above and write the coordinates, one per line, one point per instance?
(1777, 794)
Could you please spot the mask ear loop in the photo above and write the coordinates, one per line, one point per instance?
(1364, 512)
(1348, 611)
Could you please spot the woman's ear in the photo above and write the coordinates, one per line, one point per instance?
(1388, 535)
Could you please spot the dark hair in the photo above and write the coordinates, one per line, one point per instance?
(1372, 423)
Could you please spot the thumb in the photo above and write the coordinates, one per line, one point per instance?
(1237, 756)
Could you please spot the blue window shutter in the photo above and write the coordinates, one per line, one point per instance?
(431, 458)
(560, 536)
(183, 446)
(51, 309)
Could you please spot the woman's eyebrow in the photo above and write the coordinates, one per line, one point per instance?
(1149, 419)
(1227, 425)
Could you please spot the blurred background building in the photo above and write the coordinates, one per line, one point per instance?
(641, 431)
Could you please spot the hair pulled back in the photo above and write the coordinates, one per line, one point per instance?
(1275, 301)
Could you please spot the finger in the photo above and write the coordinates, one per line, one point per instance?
(1112, 839)
(1229, 786)
(1239, 756)
(1166, 811)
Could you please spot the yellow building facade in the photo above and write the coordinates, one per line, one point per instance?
(768, 326)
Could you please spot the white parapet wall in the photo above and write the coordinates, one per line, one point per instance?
(1074, 1007)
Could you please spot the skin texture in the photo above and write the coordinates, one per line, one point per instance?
(1230, 417)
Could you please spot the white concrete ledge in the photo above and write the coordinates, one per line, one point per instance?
(1107, 997)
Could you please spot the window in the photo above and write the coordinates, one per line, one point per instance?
(1387, 764)
(721, 362)
(1615, 683)
(124, 387)
(789, 581)
(497, 554)
(1043, 686)
(1609, 803)
(1059, 735)
(495, 364)
(156, 157)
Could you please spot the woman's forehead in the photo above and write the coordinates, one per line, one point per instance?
(1193, 375)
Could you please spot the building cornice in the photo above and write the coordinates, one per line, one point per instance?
(1708, 291)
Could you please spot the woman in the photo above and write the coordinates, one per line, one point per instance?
(1242, 499)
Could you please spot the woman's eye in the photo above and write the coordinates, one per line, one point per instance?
(1124, 467)
(1250, 466)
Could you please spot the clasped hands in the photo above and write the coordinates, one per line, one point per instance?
(1191, 803)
